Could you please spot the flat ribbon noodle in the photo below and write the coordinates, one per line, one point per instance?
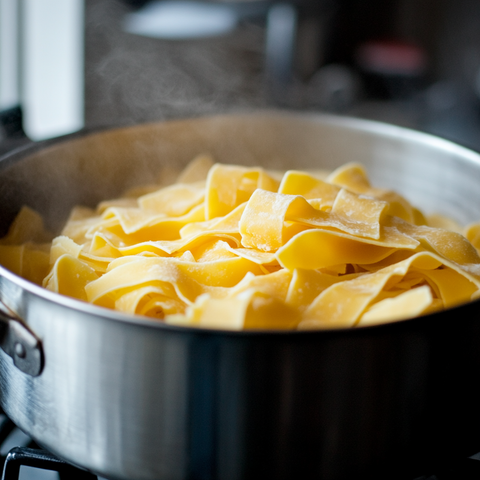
(306, 285)
(315, 248)
(29, 261)
(228, 224)
(354, 177)
(270, 219)
(309, 187)
(175, 200)
(70, 276)
(472, 232)
(159, 248)
(250, 310)
(135, 225)
(235, 247)
(188, 278)
(27, 226)
(229, 186)
(408, 304)
(343, 303)
(150, 300)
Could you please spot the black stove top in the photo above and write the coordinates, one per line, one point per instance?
(22, 459)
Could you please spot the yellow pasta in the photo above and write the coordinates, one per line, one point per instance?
(234, 247)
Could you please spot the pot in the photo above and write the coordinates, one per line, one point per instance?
(132, 398)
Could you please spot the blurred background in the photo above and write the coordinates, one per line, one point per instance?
(66, 65)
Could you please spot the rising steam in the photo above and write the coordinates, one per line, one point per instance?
(132, 78)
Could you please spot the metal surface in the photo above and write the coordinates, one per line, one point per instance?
(20, 343)
(131, 398)
(31, 457)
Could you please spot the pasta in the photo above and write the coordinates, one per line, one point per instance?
(233, 247)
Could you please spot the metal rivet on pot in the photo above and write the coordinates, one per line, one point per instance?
(20, 351)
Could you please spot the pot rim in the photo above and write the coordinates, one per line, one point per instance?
(351, 123)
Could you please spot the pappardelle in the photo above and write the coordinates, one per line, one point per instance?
(234, 247)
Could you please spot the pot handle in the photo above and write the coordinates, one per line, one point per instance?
(20, 343)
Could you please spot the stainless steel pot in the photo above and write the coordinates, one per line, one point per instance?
(131, 398)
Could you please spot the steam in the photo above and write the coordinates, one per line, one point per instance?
(131, 78)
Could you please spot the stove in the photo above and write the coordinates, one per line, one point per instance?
(22, 459)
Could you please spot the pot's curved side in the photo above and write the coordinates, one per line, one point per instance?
(128, 401)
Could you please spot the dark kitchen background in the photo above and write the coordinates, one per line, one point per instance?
(71, 64)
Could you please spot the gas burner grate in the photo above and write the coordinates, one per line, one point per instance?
(28, 454)
(39, 458)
